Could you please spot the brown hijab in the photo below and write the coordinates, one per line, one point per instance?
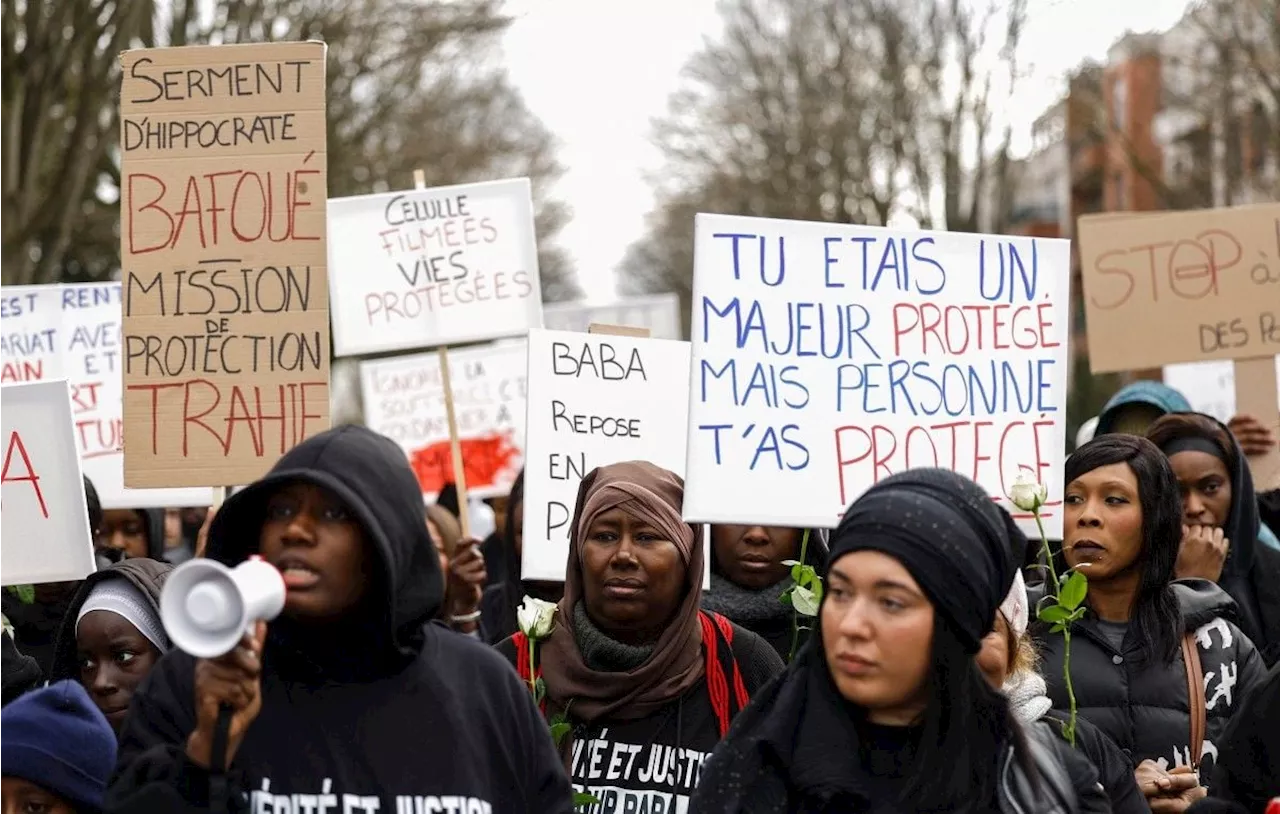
(654, 495)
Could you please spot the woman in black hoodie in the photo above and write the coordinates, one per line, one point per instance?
(351, 701)
(503, 596)
(749, 578)
(1220, 523)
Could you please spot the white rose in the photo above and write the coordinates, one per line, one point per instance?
(536, 618)
(1027, 494)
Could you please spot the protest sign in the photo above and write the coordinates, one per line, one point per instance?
(659, 314)
(222, 217)
(45, 522)
(72, 332)
(426, 267)
(594, 400)
(1209, 386)
(1206, 283)
(404, 399)
(827, 357)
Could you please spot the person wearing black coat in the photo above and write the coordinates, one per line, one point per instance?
(353, 699)
(1221, 523)
(1122, 529)
(885, 710)
(1247, 771)
(749, 580)
(505, 593)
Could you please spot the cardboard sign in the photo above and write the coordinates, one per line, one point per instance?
(1181, 286)
(404, 399)
(222, 243)
(427, 267)
(658, 314)
(594, 400)
(45, 531)
(72, 332)
(827, 357)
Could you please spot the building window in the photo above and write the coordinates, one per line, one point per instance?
(1119, 99)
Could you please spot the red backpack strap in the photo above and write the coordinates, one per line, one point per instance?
(521, 643)
(724, 680)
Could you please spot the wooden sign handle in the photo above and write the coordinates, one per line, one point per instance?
(617, 330)
(1256, 396)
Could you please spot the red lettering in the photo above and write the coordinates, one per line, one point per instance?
(152, 205)
(15, 444)
(192, 191)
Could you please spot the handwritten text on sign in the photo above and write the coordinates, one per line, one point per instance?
(826, 357)
(46, 525)
(428, 267)
(226, 316)
(1206, 283)
(404, 399)
(72, 332)
(594, 400)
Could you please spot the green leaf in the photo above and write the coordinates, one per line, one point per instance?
(817, 590)
(797, 571)
(26, 594)
(582, 800)
(1057, 629)
(804, 601)
(558, 731)
(1073, 591)
(539, 690)
(786, 596)
(1077, 614)
(1053, 614)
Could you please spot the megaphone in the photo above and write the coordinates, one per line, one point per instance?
(206, 607)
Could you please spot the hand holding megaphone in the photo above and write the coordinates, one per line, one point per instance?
(219, 615)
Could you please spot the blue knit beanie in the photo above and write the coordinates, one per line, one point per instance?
(56, 738)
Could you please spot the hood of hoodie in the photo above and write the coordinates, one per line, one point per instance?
(1202, 601)
(147, 575)
(371, 475)
(1153, 394)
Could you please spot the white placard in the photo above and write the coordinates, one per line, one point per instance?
(594, 399)
(72, 332)
(1209, 386)
(442, 266)
(404, 400)
(45, 523)
(659, 313)
(827, 356)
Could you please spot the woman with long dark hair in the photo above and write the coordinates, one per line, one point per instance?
(885, 708)
(1221, 524)
(1122, 527)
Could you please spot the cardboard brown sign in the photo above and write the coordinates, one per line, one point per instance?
(1181, 286)
(225, 330)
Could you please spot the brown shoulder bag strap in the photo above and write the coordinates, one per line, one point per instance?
(1195, 696)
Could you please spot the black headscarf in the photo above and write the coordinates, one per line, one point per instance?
(1241, 526)
(960, 547)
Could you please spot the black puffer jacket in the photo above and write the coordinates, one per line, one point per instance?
(1144, 707)
(147, 575)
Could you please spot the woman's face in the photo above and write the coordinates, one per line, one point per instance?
(24, 797)
(633, 577)
(751, 556)
(1102, 526)
(877, 630)
(995, 659)
(123, 530)
(319, 547)
(114, 657)
(1206, 488)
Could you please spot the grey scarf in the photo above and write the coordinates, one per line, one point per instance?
(601, 653)
(744, 605)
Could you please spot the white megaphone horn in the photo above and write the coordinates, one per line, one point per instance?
(206, 607)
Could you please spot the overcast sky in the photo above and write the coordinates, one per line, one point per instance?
(598, 72)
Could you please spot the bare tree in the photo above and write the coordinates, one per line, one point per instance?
(411, 84)
(834, 110)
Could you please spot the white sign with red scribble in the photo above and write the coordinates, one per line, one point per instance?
(429, 267)
(404, 400)
(45, 535)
